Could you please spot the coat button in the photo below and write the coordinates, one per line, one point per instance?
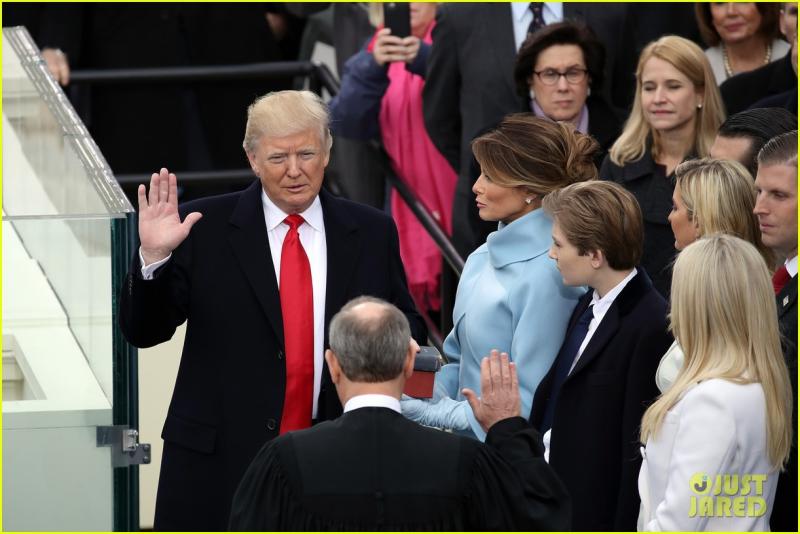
(280, 354)
(272, 424)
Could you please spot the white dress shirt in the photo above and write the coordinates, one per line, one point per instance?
(312, 237)
(791, 266)
(523, 16)
(599, 307)
(372, 400)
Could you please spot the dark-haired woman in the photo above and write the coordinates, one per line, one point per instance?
(559, 74)
(510, 296)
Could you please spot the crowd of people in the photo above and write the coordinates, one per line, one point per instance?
(624, 336)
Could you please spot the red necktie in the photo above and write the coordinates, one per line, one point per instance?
(297, 308)
(780, 278)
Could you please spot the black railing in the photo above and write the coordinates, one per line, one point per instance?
(319, 78)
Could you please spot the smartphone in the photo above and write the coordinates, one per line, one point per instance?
(397, 17)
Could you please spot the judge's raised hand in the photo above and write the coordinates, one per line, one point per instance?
(499, 391)
(160, 226)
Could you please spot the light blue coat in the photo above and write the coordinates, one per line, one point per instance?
(510, 298)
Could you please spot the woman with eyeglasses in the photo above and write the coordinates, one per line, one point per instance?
(559, 73)
(676, 113)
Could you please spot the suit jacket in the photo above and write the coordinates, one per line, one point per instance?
(716, 428)
(372, 469)
(470, 86)
(784, 514)
(786, 100)
(594, 445)
(228, 396)
(741, 91)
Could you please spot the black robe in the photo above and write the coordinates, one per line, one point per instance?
(372, 469)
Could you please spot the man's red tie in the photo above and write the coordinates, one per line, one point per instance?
(297, 308)
(780, 278)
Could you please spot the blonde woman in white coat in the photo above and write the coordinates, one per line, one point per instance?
(717, 438)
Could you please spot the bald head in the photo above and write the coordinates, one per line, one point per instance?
(370, 338)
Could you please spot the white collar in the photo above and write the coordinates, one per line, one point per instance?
(372, 400)
(791, 266)
(520, 9)
(601, 305)
(275, 216)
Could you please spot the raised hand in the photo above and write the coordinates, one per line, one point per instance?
(160, 226)
(499, 391)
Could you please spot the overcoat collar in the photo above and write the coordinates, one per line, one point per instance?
(630, 295)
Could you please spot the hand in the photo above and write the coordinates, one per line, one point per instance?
(57, 64)
(160, 226)
(444, 413)
(388, 48)
(499, 390)
(412, 45)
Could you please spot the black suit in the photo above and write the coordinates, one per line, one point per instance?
(594, 445)
(784, 511)
(743, 90)
(372, 469)
(470, 87)
(229, 392)
(786, 100)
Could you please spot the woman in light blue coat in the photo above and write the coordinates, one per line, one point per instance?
(510, 296)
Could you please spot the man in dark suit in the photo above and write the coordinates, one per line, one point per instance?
(743, 90)
(776, 209)
(470, 83)
(372, 469)
(258, 279)
(590, 404)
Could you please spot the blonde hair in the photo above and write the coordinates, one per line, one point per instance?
(690, 60)
(720, 196)
(284, 113)
(723, 316)
(536, 154)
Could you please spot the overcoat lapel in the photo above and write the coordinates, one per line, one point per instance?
(344, 246)
(604, 333)
(787, 297)
(250, 244)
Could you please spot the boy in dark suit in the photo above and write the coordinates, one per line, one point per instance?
(591, 402)
(373, 469)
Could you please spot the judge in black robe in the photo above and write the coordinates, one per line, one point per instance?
(372, 469)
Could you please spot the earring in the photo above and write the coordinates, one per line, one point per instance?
(528, 200)
(588, 91)
(532, 94)
(700, 106)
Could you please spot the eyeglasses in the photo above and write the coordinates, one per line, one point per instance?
(551, 76)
